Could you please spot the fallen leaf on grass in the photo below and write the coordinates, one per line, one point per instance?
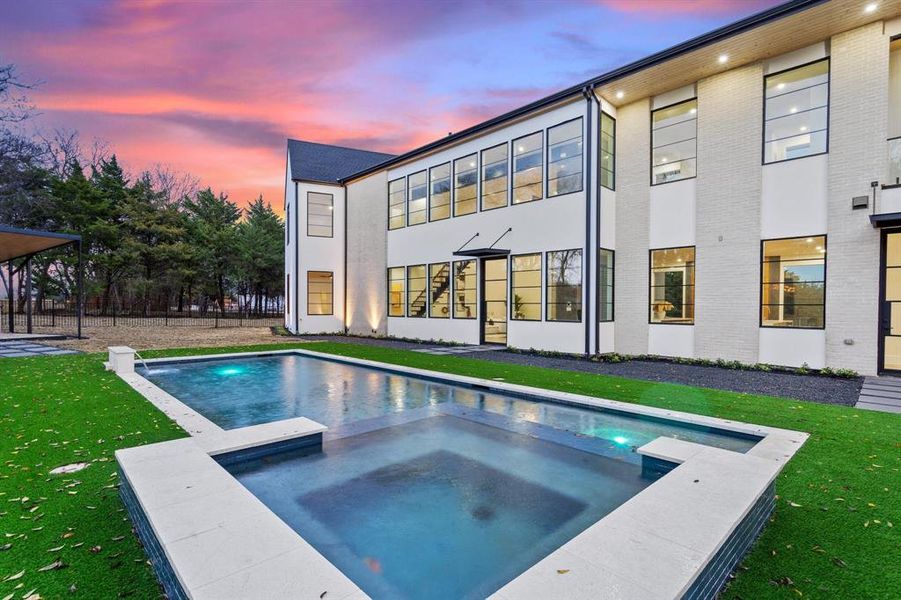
(95, 549)
(14, 577)
(795, 504)
(55, 565)
(839, 562)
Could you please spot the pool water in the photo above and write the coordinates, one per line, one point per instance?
(442, 506)
(247, 391)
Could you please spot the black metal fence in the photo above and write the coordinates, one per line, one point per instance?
(58, 315)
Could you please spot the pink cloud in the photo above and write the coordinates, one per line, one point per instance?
(664, 8)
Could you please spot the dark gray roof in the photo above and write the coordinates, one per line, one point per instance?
(311, 161)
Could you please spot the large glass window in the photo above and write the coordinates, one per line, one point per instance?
(397, 203)
(418, 189)
(674, 142)
(673, 285)
(417, 295)
(793, 276)
(320, 214)
(465, 179)
(526, 287)
(607, 157)
(320, 287)
(796, 121)
(494, 177)
(465, 289)
(605, 285)
(439, 290)
(527, 163)
(894, 115)
(439, 192)
(564, 285)
(564, 163)
(396, 280)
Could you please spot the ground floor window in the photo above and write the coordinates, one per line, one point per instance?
(526, 287)
(417, 299)
(564, 285)
(673, 286)
(396, 292)
(605, 285)
(288, 293)
(793, 280)
(320, 290)
(465, 289)
(439, 290)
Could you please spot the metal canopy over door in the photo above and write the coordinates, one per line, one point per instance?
(890, 307)
(494, 301)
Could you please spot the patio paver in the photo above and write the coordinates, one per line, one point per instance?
(881, 394)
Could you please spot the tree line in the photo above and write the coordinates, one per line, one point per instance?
(153, 241)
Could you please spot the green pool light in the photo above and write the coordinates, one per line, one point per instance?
(620, 440)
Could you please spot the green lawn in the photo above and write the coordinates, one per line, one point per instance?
(834, 533)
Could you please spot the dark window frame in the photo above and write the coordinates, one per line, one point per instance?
(475, 276)
(512, 296)
(651, 285)
(601, 153)
(403, 304)
(760, 285)
(288, 225)
(612, 286)
(408, 291)
(651, 156)
(481, 166)
(331, 214)
(332, 294)
(410, 198)
(449, 289)
(454, 188)
(404, 203)
(547, 173)
(450, 192)
(513, 171)
(547, 286)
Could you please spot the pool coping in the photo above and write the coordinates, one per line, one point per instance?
(655, 545)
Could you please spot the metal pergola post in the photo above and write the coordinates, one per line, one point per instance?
(12, 307)
(28, 317)
(79, 302)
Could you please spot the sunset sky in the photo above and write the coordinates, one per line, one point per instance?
(214, 88)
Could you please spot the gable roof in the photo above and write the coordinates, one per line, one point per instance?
(323, 163)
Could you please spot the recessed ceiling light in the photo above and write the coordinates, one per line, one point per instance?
(780, 86)
(793, 109)
(693, 111)
(723, 58)
(871, 7)
(520, 148)
(809, 240)
(803, 127)
(620, 94)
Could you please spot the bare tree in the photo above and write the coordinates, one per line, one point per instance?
(14, 104)
(63, 148)
(175, 184)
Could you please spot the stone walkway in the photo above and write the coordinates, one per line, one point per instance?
(23, 348)
(440, 350)
(880, 393)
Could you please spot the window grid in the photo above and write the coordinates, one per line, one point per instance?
(607, 156)
(320, 292)
(528, 163)
(465, 295)
(396, 283)
(417, 190)
(397, 203)
(563, 281)
(564, 158)
(525, 287)
(494, 177)
(439, 290)
(672, 286)
(793, 282)
(466, 175)
(320, 214)
(796, 112)
(417, 299)
(606, 265)
(674, 143)
(439, 192)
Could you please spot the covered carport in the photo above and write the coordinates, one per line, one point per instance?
(18, 247)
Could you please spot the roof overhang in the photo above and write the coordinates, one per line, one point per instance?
(16, 243)
(886, 220)
(482, 252)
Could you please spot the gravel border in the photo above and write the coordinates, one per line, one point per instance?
(813, 388)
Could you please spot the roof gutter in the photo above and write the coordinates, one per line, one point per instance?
(727, 31)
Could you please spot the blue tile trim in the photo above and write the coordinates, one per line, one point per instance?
(165, 574)
(713, 577)
(313, 443)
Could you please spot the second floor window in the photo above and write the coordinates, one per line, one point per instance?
(796, 120)
(465, 181)
(674, 142)
(439, 192)
(397, 203)
(417, 209)
(494, 177)
(564, 158)
(320, 214)
(527, 164)
(607, 157)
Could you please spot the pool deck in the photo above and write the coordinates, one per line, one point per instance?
(217, 540)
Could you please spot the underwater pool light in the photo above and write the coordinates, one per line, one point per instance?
(620, 440)
(228, 371)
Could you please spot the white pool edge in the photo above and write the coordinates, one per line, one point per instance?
(665, 535)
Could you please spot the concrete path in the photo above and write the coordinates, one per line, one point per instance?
(438, 350)
(880, 393)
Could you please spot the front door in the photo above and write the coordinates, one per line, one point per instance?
(494, 301)
(890, 305)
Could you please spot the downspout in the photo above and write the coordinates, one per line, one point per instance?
(344, 296)
(588, 92)
(296, 285)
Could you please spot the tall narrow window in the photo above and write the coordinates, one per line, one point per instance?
(605, 285)
(673, 285)
(288, 224)
(796, 121)
(494, 177)
(564, 285)
(526, 287)
(674, 139)
(417, 293)
(564, 163)
(320, 214)
(320, 289)
(465, 289)
(418, 189)
(439, 290)
(288, 293)
(607, 155)
(466, 175)
(397, 203)
(527, 164)
(894, 113)
(793, 276)
(396, 281)
(439, 192)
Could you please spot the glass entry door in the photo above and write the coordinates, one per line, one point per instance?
(494, 301)
(890, 317)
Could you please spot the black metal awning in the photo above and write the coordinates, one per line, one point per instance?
(482, 252)
(886, 220)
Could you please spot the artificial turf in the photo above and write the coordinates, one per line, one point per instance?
(833, 533)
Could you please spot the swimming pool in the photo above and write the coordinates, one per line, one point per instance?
(246, 391)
